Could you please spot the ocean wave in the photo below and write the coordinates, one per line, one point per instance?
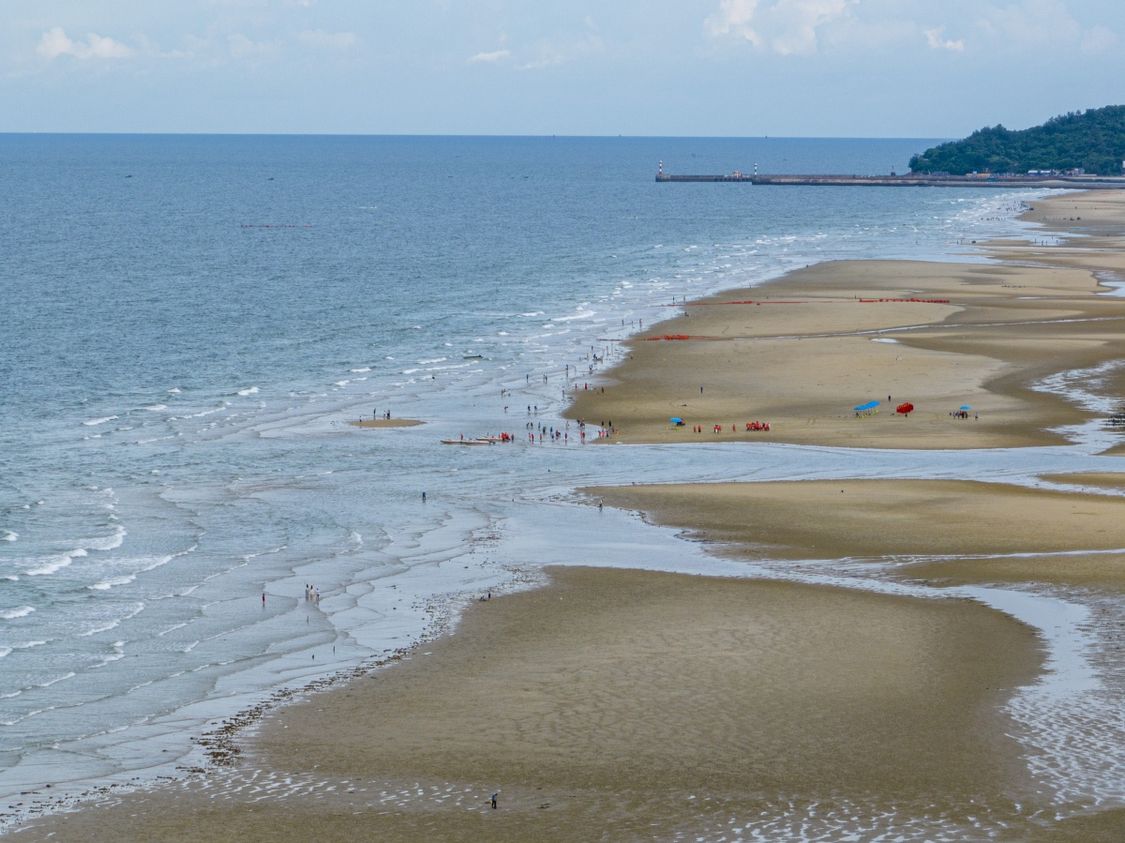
(56, 563)
(111, 542)
(9, 536)
(70, 674)
(112, 582)
(102, 420)
(105, 627)
(175, 390)
(155, 408)
(581, 314)
(360, 370)
(117, 654)
(249, 390)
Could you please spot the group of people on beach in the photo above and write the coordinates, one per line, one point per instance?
(718, 428)
(312, 593)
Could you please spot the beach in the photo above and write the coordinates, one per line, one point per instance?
(625, 704)
(803, 352)
(631, 705)
(382, 423)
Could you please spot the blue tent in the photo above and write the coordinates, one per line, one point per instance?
(965, 407)
(676, 420)
(870, 405)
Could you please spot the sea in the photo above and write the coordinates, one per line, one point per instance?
(189, 521)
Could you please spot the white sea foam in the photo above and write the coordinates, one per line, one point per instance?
(172, 628)
(9, 536)
(155, 408)
(175, 390)
(70, 674)
(249, 390)
(112, 582)
(95, 422)
(111, 542)
(53, 564)
(360, 370)
(117, 654)
(105, 627)
(581, 314)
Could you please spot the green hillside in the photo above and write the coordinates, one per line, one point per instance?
(1093, 140)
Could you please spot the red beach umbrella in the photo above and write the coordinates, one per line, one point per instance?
(905, 408)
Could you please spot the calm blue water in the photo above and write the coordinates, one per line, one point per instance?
(189, 323)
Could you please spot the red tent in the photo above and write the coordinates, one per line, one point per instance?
(906, 409)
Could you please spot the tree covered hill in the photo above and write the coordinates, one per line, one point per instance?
(1093, 140)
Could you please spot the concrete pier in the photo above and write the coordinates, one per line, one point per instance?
(911, 180)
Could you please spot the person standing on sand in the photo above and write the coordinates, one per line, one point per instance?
(493, 799)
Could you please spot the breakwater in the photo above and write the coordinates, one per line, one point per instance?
(995, 181)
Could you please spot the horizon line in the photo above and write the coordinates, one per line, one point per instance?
(456, 135)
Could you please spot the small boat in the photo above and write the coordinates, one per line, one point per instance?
(463, 442)
(472, 357)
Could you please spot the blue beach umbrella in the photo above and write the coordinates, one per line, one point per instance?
(676, 420)
(870, 405)
(965, 407)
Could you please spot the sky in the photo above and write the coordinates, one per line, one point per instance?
(810, 68)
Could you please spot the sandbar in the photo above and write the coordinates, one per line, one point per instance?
(386, 423)
(802, 351)
(633, 705)
(940, 531)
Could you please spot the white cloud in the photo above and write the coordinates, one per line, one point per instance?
(1031, 24)
(937, 42)
(55, 43)
(733, 17)
(328, 40)
(786, 27)
(490, 57)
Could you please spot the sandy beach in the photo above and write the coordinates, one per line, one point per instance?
(801, 352)
(631, 705)
(379, 423)
(939, 531)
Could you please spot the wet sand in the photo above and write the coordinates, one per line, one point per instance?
(386, 423)
(632, 705)
(939, 531)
